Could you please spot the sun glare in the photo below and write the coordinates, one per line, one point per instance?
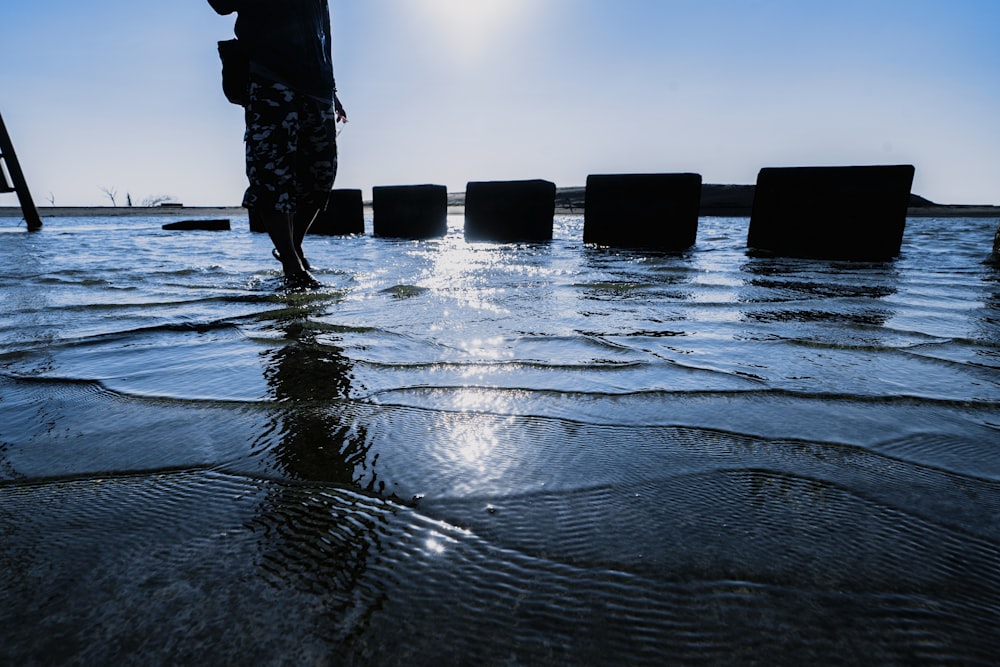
(470, 28)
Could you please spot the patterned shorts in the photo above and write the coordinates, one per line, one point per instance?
(291, 147)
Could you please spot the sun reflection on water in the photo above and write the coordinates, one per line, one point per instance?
(474, 440)
(434, 546)
(471, 272)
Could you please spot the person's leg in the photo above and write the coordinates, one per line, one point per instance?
(280, 227)
(305, 216)
(273, 120)
(299, 232)
(316, 165)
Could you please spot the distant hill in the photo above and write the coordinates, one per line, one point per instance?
(737, 201)
(716, 200)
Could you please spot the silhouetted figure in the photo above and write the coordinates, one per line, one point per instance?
(291, 118)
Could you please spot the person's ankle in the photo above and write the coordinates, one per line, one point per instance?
(304, 262)
(302, 280)
(302, 258)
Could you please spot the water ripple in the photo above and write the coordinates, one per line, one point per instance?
(461, 453)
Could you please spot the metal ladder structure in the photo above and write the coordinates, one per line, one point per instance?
(9, 159)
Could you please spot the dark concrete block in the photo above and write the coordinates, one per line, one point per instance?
(204, 225)
(256, 222)
(846, 213)
(344, 214)
(509, 211)
(642, 210)
(410, 211)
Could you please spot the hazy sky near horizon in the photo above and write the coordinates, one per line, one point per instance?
(126, 94)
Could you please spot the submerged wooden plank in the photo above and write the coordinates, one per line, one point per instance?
(221, 225)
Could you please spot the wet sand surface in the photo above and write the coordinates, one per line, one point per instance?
(463, 453)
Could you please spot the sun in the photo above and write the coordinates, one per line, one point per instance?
(472, 28)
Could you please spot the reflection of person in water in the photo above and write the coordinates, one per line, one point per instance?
(321, 526)
(319, 442)
(291, 118)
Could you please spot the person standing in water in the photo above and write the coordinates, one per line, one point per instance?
(291, 120)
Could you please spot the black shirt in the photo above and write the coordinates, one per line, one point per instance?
(288, 40)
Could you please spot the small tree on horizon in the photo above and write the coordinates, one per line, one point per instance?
(111, 194)
(156, 200)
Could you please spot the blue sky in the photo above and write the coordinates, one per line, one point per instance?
(126, 95)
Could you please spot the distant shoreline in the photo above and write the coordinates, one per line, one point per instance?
(716, 201)
(124, 211)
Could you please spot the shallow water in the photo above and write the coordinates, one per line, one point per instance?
(498, 454)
